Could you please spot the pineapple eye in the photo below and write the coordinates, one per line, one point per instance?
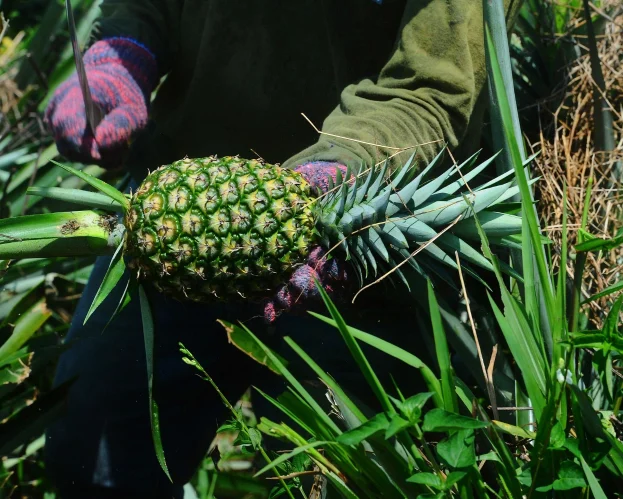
(168, 178)
(192, 223)
(209, 201)
(153, 205)
(220, 223)
(265, 224)
(168, 228)
(274, 189)
(240, 219)
(180, 199)
(199, 182)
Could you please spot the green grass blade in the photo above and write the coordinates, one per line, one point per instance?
(26, 325)
(284, 457)
(77, 196)
(450, 402)
(98, 184)
(598, 492)
(148, 333)
(111, 279)
(283, 371)
(330, 382)
(355, 350)
(408, 358)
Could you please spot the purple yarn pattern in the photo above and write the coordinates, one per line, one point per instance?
(122, 74)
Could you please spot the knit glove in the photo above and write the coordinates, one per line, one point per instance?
(330, 272)
(121, 75)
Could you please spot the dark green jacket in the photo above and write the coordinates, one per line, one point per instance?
(241, 72)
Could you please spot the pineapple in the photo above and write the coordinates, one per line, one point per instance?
(229, 228)
(210, 228)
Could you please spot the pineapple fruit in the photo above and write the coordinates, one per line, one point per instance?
(228, 228)
(212, 227)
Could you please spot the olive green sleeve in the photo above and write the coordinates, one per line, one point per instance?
(152, 23)
(429, 92)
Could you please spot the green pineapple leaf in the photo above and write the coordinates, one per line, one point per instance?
(148, 333)
(77, 196)
(98, 184)
(111, 279)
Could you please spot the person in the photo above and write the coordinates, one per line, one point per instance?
(233, 78)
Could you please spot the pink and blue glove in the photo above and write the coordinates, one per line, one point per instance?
(122, 74)
(329, 272)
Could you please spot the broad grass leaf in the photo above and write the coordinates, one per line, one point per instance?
(441, 420)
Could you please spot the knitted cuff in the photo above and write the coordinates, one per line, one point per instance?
(317, 173)
(137, 60)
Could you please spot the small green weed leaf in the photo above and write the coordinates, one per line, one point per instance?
(453, 478)
(115, 272)
(429, 479)
(570, 476)
(458, 451)
(557, 436)
(98, 184)
(357, 435)
(396, 425)
(256, 438)
(412, 407)
(148, 333)
(440, 420)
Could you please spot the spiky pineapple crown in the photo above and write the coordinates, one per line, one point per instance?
(381, 221)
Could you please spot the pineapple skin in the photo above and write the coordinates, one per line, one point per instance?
(209, 229)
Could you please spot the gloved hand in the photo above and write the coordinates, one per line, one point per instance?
(121, 75)
(330, 272)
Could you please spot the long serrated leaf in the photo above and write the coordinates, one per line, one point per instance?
(464, 180)
(148, 334)
(113, 275)
(443, 212)
(98, 184)
(77, 196)
(493, 223)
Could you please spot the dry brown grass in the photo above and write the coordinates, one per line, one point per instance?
(569, 157)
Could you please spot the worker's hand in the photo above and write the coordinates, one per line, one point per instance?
(121, 75)
(329, 272)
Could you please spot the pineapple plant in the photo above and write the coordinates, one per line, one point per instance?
(227, 228)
